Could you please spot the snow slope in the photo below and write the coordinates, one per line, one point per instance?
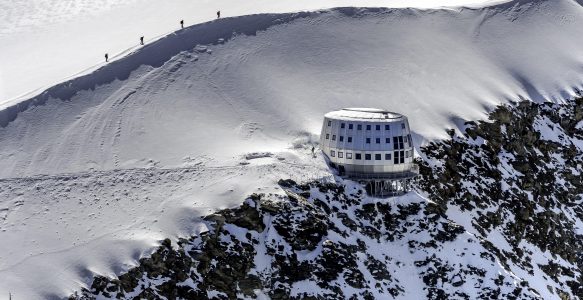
(37, 51)
(258, 83)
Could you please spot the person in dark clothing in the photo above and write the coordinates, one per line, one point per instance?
(218, 14)
(142, 40)
(106, 57)
(181, 23)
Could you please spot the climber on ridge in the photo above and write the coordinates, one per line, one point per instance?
(181, 23)
(218, 14)
(106, 57)
(142, 40)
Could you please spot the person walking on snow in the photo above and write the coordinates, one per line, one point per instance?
(142, 40)
(181, 23)
(106, 57)
(218, 14)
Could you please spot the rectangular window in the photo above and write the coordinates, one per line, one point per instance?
(342, 125)
(329, 123)
(333, 137)
(327, 135)
(378, 157)
(358, 127)
(367, 157)
(349, 126)
(368, 140)
(387, 156)
(410, 140)
(332, 153)
(367, 127)
(401, 143)
(348, 155)
(357, 156)
(396, 157)
(378, 127)
(395, 142)
(402, 125)
(388, 140)
(402, 157)
(406, 154)
(350, 139)
(387, 127)
(340, 154)
(342, 138)
(378, 140)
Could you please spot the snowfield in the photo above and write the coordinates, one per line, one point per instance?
(96, 170)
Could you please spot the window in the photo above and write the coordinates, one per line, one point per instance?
(327, 135)
(350, 139)
(378, 127)
(332, 153)
(329, 123)
(387, 156)
(406, 154)
(349, 126)
(368, 140)
(388, 140)
(410, 140)
(402, 125)
(387, 127)
(402, 157)
(342, 125)
(348, 155)
(378, 157)
(396, 158)
(378, 140)
(367, 157)
(358, 127)
(367, 127)
(342, 138)
(340, 154)
(333, 137)
(398, 142)
(358, 156)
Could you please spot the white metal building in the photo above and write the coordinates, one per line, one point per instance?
(368, 143)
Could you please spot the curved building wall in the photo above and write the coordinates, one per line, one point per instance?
(367, 143)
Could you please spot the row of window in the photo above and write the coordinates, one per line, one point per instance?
(398, 157)
(398, 142)
(368, 127)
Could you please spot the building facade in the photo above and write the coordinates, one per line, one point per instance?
(368, 143)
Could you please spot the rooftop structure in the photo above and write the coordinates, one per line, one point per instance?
(369, 144)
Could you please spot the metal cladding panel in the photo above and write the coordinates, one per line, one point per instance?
(379, 132)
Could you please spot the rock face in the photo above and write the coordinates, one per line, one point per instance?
(504, 222)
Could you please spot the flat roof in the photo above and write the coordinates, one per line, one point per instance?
(364, 114)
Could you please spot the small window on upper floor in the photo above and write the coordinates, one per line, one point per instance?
(402, 125)
(350, 126)
(342, 125)
(368, 127)
(341, 138)
(378, 140)
(327, 135)
(378, 156)
(388, 140)
(357, 156)
(367, 157)
(333, 137)
(387, 156)
(348, 155)
(378, 127)
(332, 153)
(387, 127)
(359, 127)
(340, 154)
(350, 139)
(368, 140)
(329, 123)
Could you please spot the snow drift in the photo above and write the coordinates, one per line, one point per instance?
(206, 96)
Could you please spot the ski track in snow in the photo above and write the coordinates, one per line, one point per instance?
(75, 191)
